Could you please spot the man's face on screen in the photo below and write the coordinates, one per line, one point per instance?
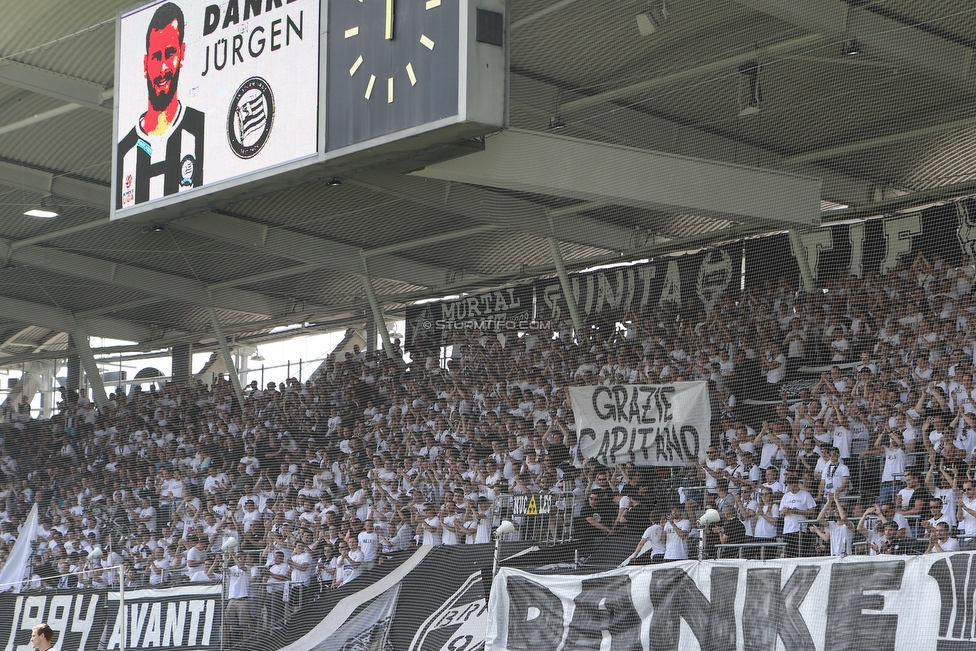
(162, 65)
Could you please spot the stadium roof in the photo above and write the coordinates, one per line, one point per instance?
(872, 101)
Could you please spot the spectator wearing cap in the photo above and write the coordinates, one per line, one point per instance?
(723, 500)
(730, 530)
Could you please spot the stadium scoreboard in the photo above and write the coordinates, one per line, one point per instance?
(221, 101)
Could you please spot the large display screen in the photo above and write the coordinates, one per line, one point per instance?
(211, 93)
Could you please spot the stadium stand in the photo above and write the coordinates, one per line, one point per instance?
(375, 457)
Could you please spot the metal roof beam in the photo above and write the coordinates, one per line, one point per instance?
(153, 282)
(26, 178)
(290, 245)
(712, 67)
(45, 316)
(37, 118)
(54, 84)
(177, 288)
(368, 253)
(881, 141)
(534, 100)
(492, 208)
(225, 228)
(594, 171)
(882, 37)
(10, 340)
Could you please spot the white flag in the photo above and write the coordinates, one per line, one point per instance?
(13, 573)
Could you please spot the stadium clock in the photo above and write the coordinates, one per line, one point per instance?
(393, 64)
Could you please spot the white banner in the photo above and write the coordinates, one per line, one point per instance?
(210, 91)
(649, 424)
(882, 603)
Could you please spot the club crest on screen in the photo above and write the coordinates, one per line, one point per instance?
(250, 117)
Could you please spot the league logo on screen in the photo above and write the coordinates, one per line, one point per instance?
(195, 106)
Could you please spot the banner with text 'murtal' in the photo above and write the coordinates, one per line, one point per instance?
(881, 603)
(648, 424)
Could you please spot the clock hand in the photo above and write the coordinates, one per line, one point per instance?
(389, 19)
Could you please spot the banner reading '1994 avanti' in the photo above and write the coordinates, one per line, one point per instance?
(649, 424)
(209, 93)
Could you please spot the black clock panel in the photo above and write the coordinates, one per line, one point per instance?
(381, 81)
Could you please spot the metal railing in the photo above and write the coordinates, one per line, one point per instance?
(776, 546)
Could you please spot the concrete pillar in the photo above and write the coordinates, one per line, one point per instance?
(235, 379)
(74, 367)
(181, 356)
(378, 317)
(371, 333)
(91, 368)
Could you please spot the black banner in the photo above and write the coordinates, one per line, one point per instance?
(878, 245)
(429, 326)
(689, 283)
(440, 604)
(184, 618)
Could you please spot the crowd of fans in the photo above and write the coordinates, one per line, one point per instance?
(319, 480)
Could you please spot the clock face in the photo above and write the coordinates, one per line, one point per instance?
(393, 64)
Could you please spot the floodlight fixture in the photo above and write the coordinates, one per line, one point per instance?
(851, 47)
(655, 18)
(750, 89)
(44, 213)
